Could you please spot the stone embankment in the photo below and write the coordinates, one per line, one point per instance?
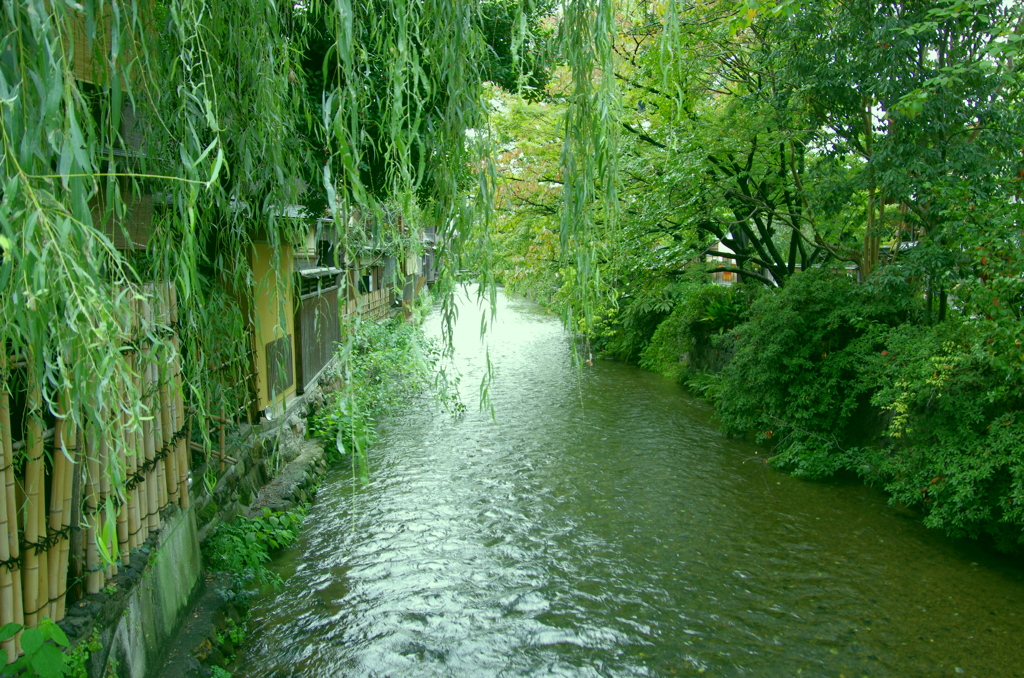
(162, 615)
(207, 638)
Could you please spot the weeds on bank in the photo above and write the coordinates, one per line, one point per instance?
(242, 547)
(384, 366)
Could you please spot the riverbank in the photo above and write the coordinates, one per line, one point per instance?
(836, 376)
(600, 524)
(250, 513)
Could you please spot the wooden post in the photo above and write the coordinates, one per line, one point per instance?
(34, 470)
(8, 517)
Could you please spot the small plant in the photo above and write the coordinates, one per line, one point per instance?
(78, 657)
(242, 548)
(236, 632)
(218, 672)
(43, 657)
(110, 589)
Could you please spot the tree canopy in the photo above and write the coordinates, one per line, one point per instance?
(616, 143)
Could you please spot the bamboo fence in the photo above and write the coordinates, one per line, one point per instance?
(73, 502)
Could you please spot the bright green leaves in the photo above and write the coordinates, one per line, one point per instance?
(747, 11)
(242, 547)
(42, 657)
(386, 364)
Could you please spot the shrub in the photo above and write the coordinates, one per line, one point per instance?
(703, 312)
(797, 376)
(386, 364)
(954, 443)
(242, 547)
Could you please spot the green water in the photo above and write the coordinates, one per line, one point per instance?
(600, 526)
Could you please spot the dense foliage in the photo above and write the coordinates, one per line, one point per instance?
(853, 170)
(876, 141)
(242, 548)
(385, 365)
(151, 141)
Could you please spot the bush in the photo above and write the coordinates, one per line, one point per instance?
(954, 443)
(797, 378)
(384, 365)
(699, 320)
(839, 377)
(242, 547)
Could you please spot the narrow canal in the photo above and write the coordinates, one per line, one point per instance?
(600, 526)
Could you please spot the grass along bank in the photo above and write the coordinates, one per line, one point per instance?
(383, 367)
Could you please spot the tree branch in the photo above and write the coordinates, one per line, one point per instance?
(644, 137)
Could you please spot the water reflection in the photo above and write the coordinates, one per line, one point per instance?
(600, 526)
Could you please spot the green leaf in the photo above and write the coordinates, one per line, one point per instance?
(56, 634)
(9, 631)
(31, 640)
(218, 163)
(49, 662)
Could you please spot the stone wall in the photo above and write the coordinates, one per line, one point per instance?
(140, 611)
(135, 621)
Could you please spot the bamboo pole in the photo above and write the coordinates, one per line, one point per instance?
(141, 500)
(131, 496)
(170, 461)
(57, 485)
(149, 429)
(179, 402)
(65, 544)
(93, 577)
(76, 545)
(158, 427)
(122, 510)
(8, 519)
(34, 469)
(158, 422)
(43, 603)
(168, 415)
(132, 442)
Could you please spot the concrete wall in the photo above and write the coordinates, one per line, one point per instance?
(137, 645)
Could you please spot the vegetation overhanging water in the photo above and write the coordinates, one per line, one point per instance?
(600, 525)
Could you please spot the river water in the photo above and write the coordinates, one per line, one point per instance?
(599, 525)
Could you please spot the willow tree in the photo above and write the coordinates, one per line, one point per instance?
(194, 118)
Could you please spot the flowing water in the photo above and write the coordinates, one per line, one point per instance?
(599, 525)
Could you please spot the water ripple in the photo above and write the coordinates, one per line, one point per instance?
(600, 526)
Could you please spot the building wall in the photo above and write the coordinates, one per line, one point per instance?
(273, 306)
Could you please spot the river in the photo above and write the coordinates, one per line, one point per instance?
(599, 525)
